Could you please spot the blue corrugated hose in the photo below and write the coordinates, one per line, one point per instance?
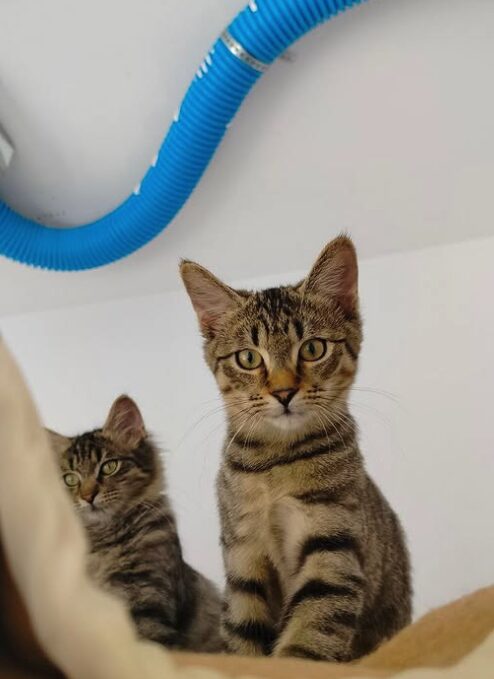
(255, 38)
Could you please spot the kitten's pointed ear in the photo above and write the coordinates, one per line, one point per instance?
(58, 443)
(210, 298)
(124, 424)
(335, 275)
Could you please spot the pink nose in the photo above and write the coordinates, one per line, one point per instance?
(284, 396)
(89, 494)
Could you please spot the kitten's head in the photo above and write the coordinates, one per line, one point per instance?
(284, 358)
(112, 468)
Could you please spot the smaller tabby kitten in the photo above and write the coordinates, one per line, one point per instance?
(115, 477)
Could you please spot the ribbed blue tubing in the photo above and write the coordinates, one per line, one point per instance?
(265, 29)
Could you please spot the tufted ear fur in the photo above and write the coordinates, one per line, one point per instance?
(210, 298)
(335, 275)
(124, 424)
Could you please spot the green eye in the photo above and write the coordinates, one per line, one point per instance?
(71, 480)
(249, 359)
(111, 467)
(312, 350)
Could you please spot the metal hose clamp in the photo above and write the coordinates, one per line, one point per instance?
(241, 53)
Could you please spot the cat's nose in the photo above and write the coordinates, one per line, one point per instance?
(284, 396)
(89, 494)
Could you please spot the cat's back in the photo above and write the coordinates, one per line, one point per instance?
(387, 570)
(201, 613)
(384, 536)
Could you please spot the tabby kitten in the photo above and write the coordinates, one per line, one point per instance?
(315, 558)
(115, 477)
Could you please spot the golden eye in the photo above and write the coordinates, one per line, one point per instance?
(71, 480)
(312, 350)
(249, 359)
(111, 467)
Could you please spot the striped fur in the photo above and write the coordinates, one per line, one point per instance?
(135, 550)
(315, 558)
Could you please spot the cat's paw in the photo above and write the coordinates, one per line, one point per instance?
(311, 649)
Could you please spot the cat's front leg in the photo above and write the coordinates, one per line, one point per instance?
(326, 600)
(155, 623)
(247, 622)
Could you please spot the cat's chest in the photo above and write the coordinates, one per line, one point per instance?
(108, 554)
(271, 518)
(261, 492)
(252, 499)
(260, 502)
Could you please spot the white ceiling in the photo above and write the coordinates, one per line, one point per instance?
(381, 125)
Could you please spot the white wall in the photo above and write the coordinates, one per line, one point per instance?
(426, 431)
(381, 125)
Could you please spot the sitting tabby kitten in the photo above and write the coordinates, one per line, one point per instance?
(315, 558)
(115, 477)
